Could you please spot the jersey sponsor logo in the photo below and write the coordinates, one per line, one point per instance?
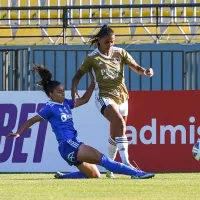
(64, 117)
(110, 73)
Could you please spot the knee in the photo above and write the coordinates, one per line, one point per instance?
(95, 175)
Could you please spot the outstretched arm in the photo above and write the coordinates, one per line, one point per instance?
(128, 60)
(25, 126)
(140, 70)
(86, 97)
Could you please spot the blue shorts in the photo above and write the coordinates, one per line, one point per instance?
(69, 150)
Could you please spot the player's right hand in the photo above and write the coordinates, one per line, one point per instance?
(15, 135)
(149, 72)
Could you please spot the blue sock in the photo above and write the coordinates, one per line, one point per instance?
(74, 175)
(116, 167)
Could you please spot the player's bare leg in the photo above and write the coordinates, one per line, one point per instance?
(118, 130)
(89, 170)
(112, 149)
(91, 155)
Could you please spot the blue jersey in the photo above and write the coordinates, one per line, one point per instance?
(60, 118)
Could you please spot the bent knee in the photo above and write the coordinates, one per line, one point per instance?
(95, 175)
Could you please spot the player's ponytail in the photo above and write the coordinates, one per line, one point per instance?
(104, 31)
(46, 83)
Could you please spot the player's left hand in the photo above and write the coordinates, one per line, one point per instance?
(15, 135)
(149, 72)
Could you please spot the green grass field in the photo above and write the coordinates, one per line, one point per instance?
(179, 186)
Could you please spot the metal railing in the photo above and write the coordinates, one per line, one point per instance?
(174, 69)
(15, 69)
(128, 13)
(192, 66)
(159, 17)
(102, 8)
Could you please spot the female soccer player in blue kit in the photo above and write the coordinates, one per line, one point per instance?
(58, 112)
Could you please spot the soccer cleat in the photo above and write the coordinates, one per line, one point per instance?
(142, 175)
(58, 175)
(110, 174)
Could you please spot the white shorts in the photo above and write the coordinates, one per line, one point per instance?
(103, 102)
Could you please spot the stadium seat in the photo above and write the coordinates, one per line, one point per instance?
(156, 1)
(25, 3)
(62, 2)
(175, 30)
(120, 31)
(92, 30)
(143, 35)
(24, 13)
(2, 14)
(85, 30)
(85, 12)
(135, 13)
(196, 38)
(54, 13)
(115, 11)
(106, 12)
(54, 34)
(77, 15)
(5, 31)
(27, 40)
(4, 3)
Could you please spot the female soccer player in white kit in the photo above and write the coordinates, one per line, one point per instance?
(107, 64)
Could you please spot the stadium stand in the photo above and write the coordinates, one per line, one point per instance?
(5, 33)
(21, 37)
(131, 24)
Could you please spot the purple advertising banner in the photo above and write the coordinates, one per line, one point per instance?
(36, 150)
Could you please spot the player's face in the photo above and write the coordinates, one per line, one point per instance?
(106, 42)
(58, 94)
